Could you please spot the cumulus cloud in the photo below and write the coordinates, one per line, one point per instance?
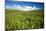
(23, 8)
(35, 8)
(9, 7)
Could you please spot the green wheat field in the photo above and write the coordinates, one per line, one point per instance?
(22, 20)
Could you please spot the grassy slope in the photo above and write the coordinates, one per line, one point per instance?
(16, 19)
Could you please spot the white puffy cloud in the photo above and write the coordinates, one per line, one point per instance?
(23, 8)
(35, 8)
(28, 6)
(9, 7)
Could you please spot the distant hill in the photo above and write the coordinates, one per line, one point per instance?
(21, 10)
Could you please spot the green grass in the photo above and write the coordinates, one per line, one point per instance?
(18, 20)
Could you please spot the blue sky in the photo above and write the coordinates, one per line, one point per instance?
(25, 5)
